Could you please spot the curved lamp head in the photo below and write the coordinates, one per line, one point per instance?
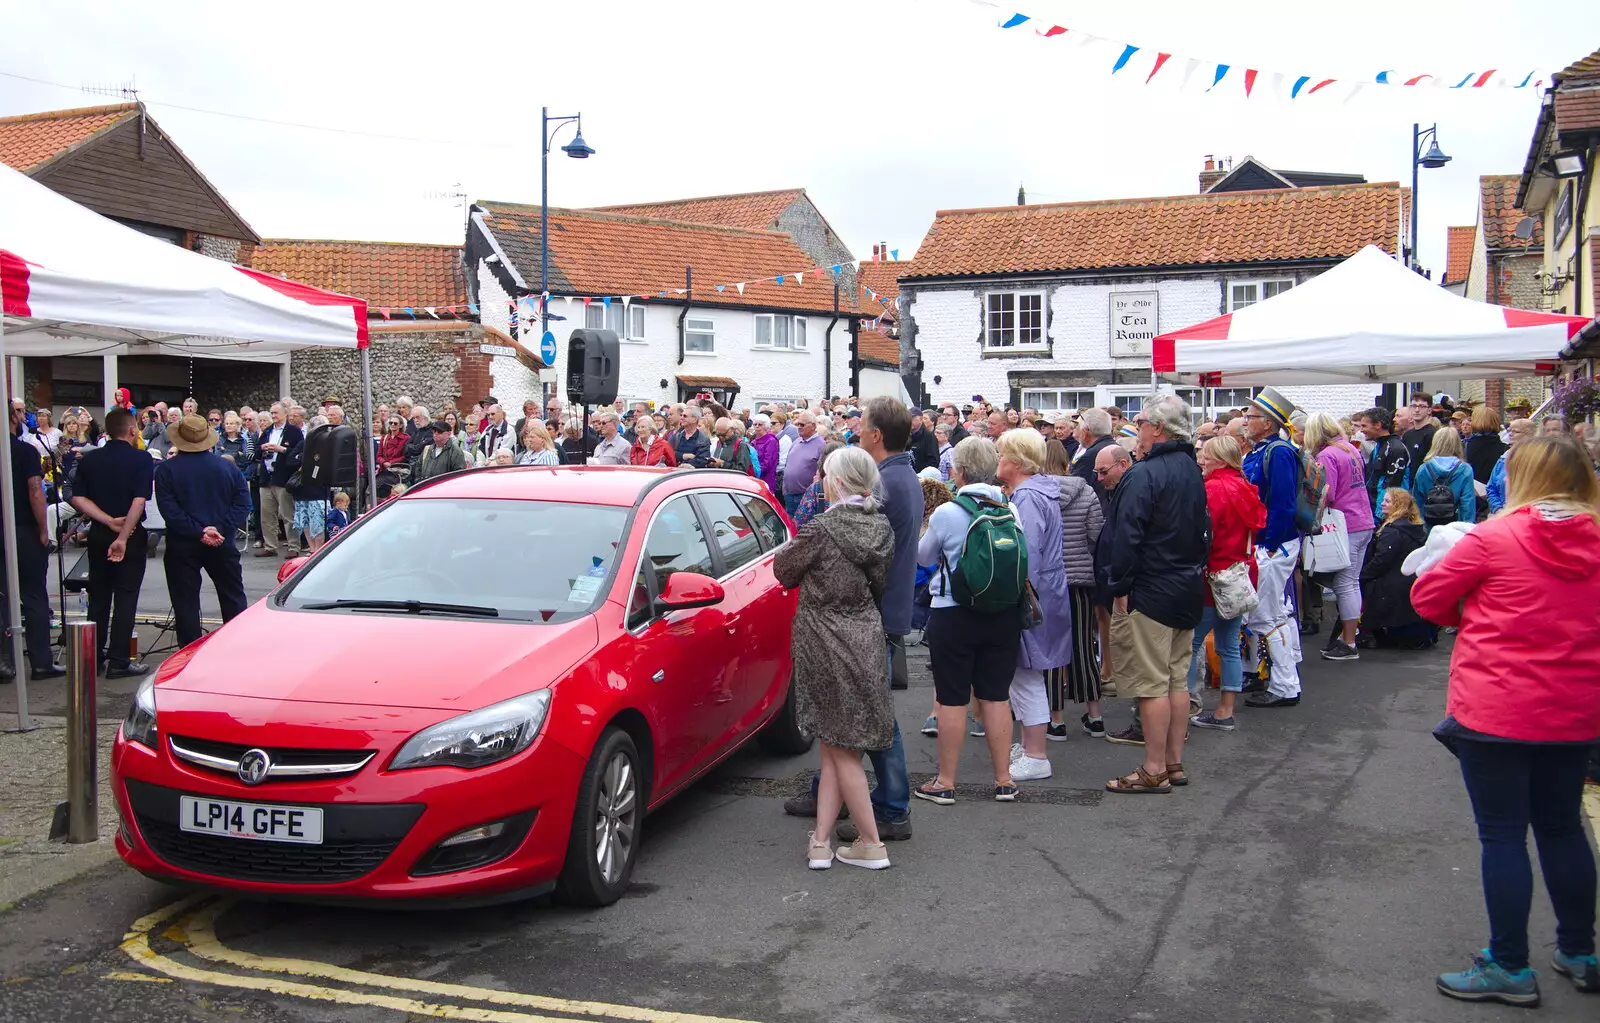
(580, 150)
(1434, 157)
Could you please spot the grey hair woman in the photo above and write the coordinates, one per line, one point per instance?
(840, 564)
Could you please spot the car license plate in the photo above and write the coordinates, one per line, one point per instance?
(258, 821)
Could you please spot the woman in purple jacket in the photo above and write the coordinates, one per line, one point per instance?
(766, 444)
(1347, 491)
(1037, 500)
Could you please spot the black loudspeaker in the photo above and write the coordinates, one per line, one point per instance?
(593, 359)
(330, 459)
(77, 580)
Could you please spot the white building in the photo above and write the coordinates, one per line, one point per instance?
(697, 306)
(1054, 306)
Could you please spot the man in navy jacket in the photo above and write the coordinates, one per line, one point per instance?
(205, 501)
(1273, 466)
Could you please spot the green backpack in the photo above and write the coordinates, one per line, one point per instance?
(992, 575)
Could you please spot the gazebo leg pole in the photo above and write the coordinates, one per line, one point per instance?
(8, 499)
(369, 451)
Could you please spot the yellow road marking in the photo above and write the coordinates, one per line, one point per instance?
(143, 977)
(200, 937)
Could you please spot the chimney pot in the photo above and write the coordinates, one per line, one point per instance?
(1211, 163)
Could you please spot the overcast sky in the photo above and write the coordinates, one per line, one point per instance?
(884, 110)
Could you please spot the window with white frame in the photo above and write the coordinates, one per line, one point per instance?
(699, 336)
(1232, 397)
(598, 315)
(1243, 294)
(787, 333)
(1015, 319)
(1132, 404)
(1056, 400)
(635, 317)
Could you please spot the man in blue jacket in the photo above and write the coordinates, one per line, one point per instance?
(204, 500)
(1273, 466)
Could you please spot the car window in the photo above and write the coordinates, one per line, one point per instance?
(639, 606)
(676, 543)
(529, 560)
(735, 536)
(765, 519)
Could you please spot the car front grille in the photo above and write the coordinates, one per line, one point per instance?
(357, 838)
(287, 764)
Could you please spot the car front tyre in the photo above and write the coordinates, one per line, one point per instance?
(605, 825)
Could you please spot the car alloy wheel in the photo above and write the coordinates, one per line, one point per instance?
(616, 817)
(604, 841)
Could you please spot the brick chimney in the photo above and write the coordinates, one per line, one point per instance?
(1213, 173)
(874, 253)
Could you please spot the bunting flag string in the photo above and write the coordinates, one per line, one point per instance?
(1129, 53)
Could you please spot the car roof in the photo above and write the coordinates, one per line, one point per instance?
(617, 485)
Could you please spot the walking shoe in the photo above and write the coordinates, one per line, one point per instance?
(1195, 706)
(55, 670)
(933, 792)
(1026, 768)
(860, 854)
(975, 729)
(1210, 720)
(133, 669)
(805, 805)
(1056, 733)
(1583, 971)
(1488, 981)
(1093, 727)
(1341, 651)
(1005, 793)
(1310, 628)
(888, 831)
(1268, 700)
(1130, 736)
(931, 726)
(819, 855)
(265, 552)
(1254, 684)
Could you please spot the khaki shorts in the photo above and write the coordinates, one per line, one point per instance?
(1152, 659)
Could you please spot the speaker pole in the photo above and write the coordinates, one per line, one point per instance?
(369, 442)
(583, 436)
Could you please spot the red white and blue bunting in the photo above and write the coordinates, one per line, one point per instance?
(1149, 61)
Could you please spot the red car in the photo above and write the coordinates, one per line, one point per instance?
(474, 693)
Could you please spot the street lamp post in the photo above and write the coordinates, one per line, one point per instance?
(1434, 157)
(578, 150)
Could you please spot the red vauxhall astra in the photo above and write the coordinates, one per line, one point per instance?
(475, 693)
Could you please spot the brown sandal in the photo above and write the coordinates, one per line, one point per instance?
(1140, 782)
(1177, 775)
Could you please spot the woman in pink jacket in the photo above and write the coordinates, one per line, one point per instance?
(1524, 708)
(1347, 491)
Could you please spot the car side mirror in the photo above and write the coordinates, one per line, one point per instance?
(290, 567)
(686, 590)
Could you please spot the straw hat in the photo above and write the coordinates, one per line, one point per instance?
(191, 433)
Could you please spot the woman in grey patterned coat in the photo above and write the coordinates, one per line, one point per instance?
(840, 564)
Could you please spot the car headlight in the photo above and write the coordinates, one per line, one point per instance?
(140, 724)
(483, 737)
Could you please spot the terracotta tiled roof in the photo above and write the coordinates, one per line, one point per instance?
(394, 274)
(599, 254)
(720, 383)
(883, 278)
(1184, 230)
(753, 211)
(1586, 67)
(1497, 195)
(876, 345)
(1458, 253)
(29, 140)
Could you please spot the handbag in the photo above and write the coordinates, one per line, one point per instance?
(1327, 551)
(1231, 590)
(1032, 613)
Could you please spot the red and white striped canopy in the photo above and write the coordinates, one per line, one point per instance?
(76, 283)
(1367, 319)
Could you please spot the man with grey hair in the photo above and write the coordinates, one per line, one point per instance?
(1093, 436)
(800, 467)
(277, 504)
(1153, 569)
(613, 448)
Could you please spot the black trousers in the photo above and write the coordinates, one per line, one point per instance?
(114, 591)
(254, 528)
(33, 566)
(185, 558)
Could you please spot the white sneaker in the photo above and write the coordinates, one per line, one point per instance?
(1026, 768)
(819, 856)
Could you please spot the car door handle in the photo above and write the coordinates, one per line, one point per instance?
(658, 676)
(731, 623)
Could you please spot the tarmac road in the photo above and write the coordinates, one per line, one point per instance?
(1322, 866)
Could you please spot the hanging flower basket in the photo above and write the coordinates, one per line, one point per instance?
(1576, 399)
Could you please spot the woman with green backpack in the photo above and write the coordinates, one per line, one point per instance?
(1443, 485)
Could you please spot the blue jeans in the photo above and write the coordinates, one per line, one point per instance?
(891, 797)
(1227, 632)
(791, 503)
(1513, 785)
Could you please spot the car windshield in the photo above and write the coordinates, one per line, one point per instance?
(518, 560)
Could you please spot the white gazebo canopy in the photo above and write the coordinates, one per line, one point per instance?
(75, 283)
(1369, 319)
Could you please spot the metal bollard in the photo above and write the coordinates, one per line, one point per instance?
(83, 735)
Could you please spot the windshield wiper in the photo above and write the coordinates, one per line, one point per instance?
(415, 607)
